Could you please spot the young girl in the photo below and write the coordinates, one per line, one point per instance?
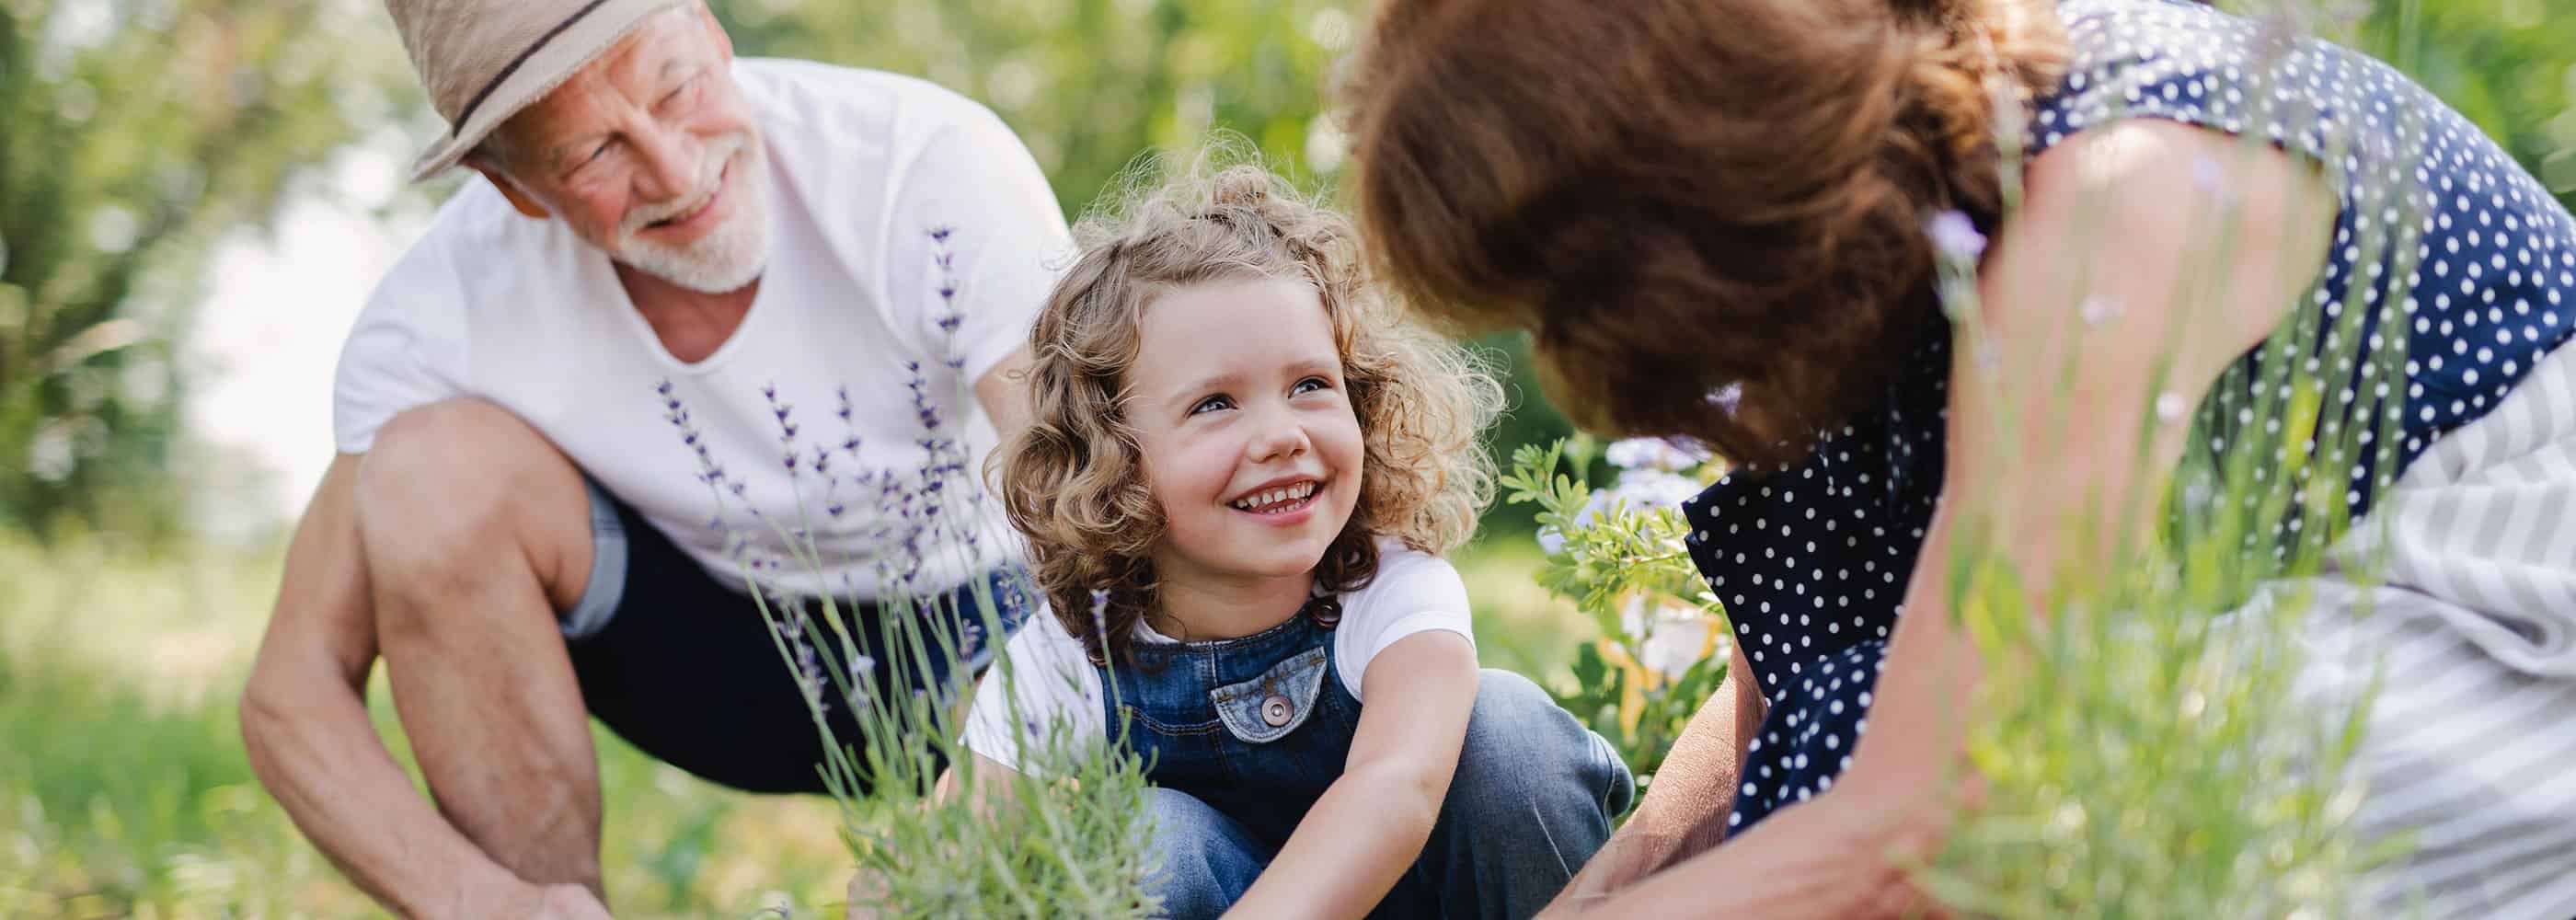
(1238, 480)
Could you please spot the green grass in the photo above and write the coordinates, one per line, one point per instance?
(124, 790)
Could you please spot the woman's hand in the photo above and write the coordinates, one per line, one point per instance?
(1685, 811)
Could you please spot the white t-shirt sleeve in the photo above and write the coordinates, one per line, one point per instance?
(407, 349)
(1413, 593)
(1000, 227)
(1043, 683)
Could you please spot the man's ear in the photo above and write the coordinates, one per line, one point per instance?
(482, 163)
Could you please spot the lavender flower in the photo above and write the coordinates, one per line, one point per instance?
(1727, 397)
(1955, 237)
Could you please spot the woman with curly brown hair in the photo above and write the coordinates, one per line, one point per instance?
(1239, 475)
(1727, 220)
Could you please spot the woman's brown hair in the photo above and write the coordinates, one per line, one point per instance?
(1073, 480)
(1709, 213)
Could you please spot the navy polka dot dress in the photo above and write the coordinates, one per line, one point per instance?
(2449, 279)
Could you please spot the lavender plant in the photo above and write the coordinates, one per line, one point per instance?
(2145, 746)
(1061, 836)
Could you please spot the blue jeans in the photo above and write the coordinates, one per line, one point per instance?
(1531, 802)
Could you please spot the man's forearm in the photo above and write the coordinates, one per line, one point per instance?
(319, 756)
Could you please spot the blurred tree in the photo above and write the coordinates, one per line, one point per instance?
(2509, 65)
(133, 135)
(1090, 84)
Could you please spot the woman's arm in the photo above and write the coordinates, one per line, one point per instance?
(2138, 217)
(1686, 808)
(1370, 825)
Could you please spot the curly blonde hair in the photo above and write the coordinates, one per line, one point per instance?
(1073, 480)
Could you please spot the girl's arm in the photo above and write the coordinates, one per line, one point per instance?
(1370, 825)
(2144, 209)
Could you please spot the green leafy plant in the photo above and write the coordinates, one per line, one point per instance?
(1617, 554)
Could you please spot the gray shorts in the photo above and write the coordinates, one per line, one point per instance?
(608, 561)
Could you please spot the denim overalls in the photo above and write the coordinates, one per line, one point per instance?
(1256, 727)
(1242, 736)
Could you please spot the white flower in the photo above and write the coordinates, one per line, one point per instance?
(1955, 237)
(1653, 454)
(1649, 489)
(1668, 641)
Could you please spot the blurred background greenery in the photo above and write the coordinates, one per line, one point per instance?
(141, 138)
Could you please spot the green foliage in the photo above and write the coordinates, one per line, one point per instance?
(2509, 65)
(1089, 84)
(1620, 559)
(1063, 835)
(132, 137)
(125, 792)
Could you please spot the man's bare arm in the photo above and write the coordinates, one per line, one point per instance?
(1004, 392)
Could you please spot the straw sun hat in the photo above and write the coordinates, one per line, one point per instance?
(484, 60)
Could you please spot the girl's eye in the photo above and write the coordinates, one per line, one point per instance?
(1311, 385)
(1211, 404)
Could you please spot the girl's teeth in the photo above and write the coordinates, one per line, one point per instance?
(1276, 496)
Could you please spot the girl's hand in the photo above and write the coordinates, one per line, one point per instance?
(1371, 824)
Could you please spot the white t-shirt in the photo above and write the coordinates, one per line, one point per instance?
(1056, 684)
(863, 166)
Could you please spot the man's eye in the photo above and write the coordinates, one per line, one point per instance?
(1311, 384)
(1211, 404)
(681, 90)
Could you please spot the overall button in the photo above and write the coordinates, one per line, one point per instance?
(1276, 710)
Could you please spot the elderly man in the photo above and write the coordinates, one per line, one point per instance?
(679, 271)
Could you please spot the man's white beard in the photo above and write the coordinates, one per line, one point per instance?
(731, 254)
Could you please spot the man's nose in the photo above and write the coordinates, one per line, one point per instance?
(668, 161)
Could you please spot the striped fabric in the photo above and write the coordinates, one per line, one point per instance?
(2471, 747)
